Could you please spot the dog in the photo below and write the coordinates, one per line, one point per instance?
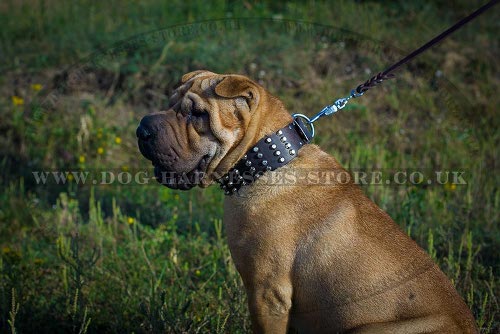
(313, 258)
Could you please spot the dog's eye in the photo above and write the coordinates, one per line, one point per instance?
(196, 112)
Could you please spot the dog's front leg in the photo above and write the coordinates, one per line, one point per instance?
(269, 307)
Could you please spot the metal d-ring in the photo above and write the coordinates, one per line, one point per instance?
(308, 120)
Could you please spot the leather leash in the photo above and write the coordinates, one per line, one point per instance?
(387, 73)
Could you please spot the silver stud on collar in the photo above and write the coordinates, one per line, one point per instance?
(256, 162)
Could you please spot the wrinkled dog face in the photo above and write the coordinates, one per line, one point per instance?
(207, 116)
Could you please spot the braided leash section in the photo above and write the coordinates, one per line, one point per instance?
(373, 81)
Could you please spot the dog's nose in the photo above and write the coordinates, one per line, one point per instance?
(143, 133)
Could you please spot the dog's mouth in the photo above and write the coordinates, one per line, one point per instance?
(181, 180)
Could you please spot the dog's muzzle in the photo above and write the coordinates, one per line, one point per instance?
(157, 145)
(147, 135)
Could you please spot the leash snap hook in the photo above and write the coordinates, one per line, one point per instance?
(333, 108)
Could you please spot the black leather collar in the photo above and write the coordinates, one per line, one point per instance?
(271, 152)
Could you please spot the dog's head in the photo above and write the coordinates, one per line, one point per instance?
(211, 121)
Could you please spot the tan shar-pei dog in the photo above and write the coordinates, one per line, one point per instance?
(314, 257)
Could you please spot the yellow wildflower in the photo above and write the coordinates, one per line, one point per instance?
(38, 261)
(81, 159)
(100, 150)
(6, 249)
(173, 255)
(36, 87)
(130, 220)
(197, 273)
(125, 168)
(17, 100)
(450, 186)
(70, 177)
(118, 140)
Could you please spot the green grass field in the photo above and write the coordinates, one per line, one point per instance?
(78, 76)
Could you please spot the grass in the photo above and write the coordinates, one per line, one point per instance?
(131, 258)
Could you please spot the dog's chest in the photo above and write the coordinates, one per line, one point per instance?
(257, 240)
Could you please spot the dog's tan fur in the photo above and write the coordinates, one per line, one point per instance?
(316, 259)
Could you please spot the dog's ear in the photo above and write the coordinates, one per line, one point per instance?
(188, 76)
(233, 86)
